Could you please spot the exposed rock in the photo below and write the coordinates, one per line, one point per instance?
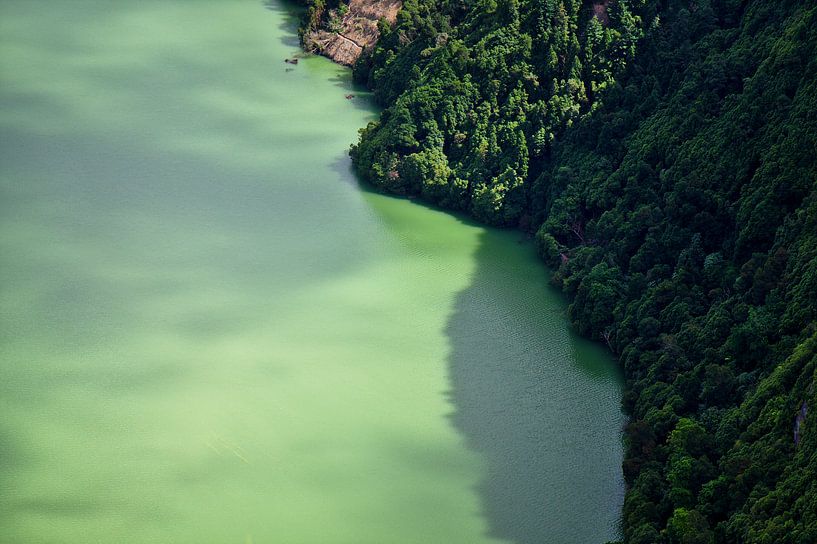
(356, 30)
(600, 11)
(798, 422)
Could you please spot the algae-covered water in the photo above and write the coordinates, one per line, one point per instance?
(210, 333)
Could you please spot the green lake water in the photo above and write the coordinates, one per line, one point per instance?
(211, 333)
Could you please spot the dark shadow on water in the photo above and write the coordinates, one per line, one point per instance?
(292, 13)
(539, 406)
(361, 97)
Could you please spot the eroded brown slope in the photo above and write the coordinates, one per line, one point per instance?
(349, 34)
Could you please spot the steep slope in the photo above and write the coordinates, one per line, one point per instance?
(663, 153)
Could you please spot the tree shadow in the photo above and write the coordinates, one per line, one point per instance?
(540, 406)
(292, 13)
(361, 97)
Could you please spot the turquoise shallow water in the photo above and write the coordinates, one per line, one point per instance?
(209, 332)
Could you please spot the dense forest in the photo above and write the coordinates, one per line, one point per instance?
(662, 155)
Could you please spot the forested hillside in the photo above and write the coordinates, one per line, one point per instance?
(662, 153)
